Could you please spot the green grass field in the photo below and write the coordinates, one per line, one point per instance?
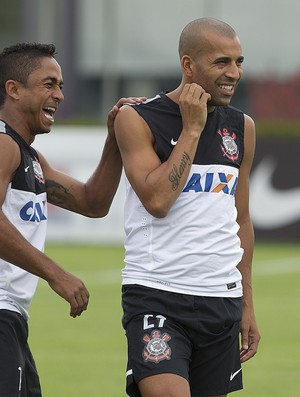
(86, 357)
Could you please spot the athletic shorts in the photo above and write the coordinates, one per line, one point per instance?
(18, 374)
(195, 337)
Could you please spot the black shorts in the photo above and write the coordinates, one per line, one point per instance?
(195, 337)
(18, 374)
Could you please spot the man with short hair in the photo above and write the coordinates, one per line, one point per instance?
(187, 290)
(30, 93)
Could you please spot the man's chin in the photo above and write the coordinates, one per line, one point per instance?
(220, 102)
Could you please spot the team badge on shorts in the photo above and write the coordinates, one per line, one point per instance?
(156, 348)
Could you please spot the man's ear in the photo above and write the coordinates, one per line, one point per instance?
(187, 65)
(12, 88)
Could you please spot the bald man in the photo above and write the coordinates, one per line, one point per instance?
(187, 291)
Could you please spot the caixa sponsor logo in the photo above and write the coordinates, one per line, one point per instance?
(212, 182)
(33, 212)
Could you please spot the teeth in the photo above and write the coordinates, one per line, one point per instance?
(50, 108)
(49, 112)
(49, 117)
(227, 87)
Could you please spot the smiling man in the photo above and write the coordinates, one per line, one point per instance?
(30, 93)
(187, 291)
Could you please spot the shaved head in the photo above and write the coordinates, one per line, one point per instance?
(193, 36)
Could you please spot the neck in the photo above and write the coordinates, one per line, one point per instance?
(17, 124)
(175, 95)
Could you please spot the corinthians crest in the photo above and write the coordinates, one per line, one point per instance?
(156, 348)
(229, 146)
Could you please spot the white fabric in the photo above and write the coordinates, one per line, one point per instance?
(195, 249)
(17, 286)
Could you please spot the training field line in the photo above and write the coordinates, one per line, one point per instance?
(96, 277)
(276, 266)
(100, 277)
(260, 268)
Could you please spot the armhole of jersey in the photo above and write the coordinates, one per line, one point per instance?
(20, 150)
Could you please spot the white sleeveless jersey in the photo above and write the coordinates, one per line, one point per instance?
(25, 206)
(195, 249)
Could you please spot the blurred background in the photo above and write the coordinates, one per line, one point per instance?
(114, 48)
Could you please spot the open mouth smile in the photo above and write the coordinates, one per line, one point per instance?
(49, 112)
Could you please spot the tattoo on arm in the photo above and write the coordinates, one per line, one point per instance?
(176, 173)
(58, 194)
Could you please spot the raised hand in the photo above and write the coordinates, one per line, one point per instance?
(193, 107)
(113, 112)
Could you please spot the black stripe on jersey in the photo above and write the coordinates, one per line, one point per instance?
(28, 176)
(221, 142)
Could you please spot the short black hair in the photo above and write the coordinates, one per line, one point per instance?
(19, 60)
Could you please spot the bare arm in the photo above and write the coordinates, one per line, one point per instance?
(93, 198)
(15, 249)
(249, 330)
(159, 184)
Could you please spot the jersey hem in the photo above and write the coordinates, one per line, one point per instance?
(236, 293)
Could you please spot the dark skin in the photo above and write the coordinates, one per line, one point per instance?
(208, 80)
(29, 109)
